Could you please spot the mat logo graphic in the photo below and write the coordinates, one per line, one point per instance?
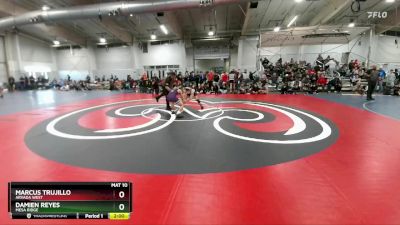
(220, 112)
(140, 136)
(379, 15)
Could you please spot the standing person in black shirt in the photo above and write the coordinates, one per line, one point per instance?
(372, 77)
(167, 86)
(11, 83)
(1, 91)
(156, 85)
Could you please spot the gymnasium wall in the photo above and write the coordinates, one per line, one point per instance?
(383, 51)
(22, 53)
(189, 59)
(77, 63)
(358, 49)
(36, 56)
(207, 64)
(119, 61)
(247, 54)
(165, 54)
(233, 58)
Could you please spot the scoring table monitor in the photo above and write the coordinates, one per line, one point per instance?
(70, 200)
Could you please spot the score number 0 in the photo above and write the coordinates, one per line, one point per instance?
(121, 194)
(121, 206)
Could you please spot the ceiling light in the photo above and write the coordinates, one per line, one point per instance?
(164, 29)
(390, 1)
(352, 24)
(277, 29)
(45, 8)
(298, 1)
(131, 15)
(292, 21)
(55, 42)
(102, 40)
(153, 37)
(210, 33)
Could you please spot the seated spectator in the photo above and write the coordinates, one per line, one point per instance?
(295, 86)
(362, 73)
(336, 83)
(232, 81)
(306, 83)
(118, 85)
(88, 78)
(390, 79)
(396, 88)
(255, 89)
(285, 84)
(32, 82)
(264, 79)
(65, 87)
(353, 79)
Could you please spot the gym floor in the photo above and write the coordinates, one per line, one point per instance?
(244, 159)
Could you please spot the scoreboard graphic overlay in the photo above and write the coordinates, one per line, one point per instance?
(76, 200)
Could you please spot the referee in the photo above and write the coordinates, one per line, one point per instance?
(372, 78)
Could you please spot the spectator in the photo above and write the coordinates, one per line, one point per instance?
(231, 81)
(336, 83)
(396, 88)
(1, 90)
(322, 81)
(88, 79)
(11, 84)
(331, 65)
(295, 86)
(382, 75)
(210, 79)
(389, 83)
(390, 79)
(224, 77)
(351, 66)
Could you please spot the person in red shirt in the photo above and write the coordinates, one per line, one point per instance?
(224, 77)
(144, 77)
(322, 81)
(310, 72)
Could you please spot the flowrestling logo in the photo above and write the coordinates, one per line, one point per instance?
(141, 136)
(379, 15)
